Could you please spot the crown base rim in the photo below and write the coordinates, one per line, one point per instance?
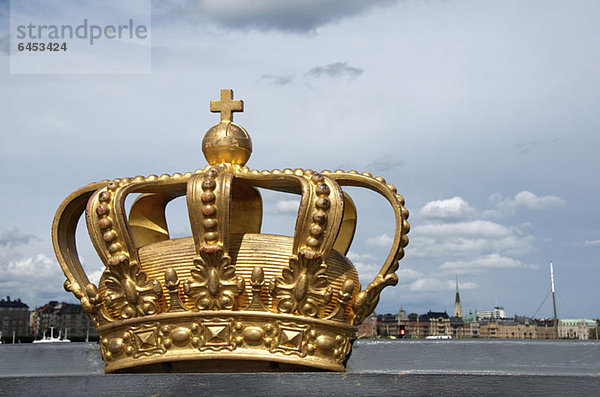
(225, 341)
(219, 363)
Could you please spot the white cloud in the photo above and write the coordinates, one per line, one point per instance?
(433, 285)
(468, 285)
(33, 279)
(426, 285)
(355, 256)
(477, 228)
(488, 262)
(284, 206)
(380, 241)
(524, 199)
(406, 274)
(451, 209)
(38, 266)
(591, 243)
(366, 271)
(464, 239)
(94, 276)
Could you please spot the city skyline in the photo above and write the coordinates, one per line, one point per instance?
(483, 114)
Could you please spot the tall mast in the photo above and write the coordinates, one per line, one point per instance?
(553, 292)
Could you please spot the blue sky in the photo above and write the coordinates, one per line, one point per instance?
(483, 114)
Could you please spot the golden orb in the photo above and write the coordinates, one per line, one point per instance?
(228, 143)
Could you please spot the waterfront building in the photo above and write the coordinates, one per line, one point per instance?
(488, 328)
(508, 328)
(368, 328)
(496, 312)
(545, 328)
(43, 318)
(471, 325)
(459, 329)
(73, 318)
(33, 323)
(402, 318)
(523, 328)
(434, 324)
(387, 325)
(575, 328)
(412, 326)
(14, 318)
(62, 316)
(402, 325)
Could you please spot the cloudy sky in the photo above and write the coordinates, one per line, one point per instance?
(483, 114)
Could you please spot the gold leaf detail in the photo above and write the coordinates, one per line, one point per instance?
(129, 291)
(303, 286)
(215, 284)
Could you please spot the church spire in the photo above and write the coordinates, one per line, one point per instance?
(457, 304)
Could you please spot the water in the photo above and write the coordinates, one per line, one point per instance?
(465, 356)
(50, 359)
(477, 356)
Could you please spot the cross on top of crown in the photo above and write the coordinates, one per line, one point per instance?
(227, 105)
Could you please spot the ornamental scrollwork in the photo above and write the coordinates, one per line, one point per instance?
(303, 286)
(215, 285)
(366, 300)
(129, 291)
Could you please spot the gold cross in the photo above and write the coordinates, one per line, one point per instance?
(227, 105)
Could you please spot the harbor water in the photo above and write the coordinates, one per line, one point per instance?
(477, 356)
(460, 356)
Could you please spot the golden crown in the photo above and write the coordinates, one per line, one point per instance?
(228, 292)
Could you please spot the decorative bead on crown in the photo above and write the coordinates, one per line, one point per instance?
(227, 292)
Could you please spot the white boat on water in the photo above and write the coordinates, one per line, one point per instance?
(64, 339)
(51, 338)
(438, 337)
